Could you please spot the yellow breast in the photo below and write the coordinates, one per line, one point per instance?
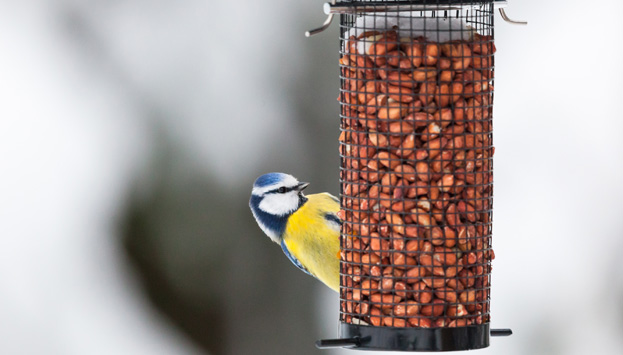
(314, 240)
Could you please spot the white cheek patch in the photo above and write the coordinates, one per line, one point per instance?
(280, 204)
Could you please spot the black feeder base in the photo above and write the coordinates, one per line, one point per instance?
(363, 337)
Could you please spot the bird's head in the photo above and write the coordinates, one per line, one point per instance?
(275, 196)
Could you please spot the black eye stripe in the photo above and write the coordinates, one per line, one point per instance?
(276, 191)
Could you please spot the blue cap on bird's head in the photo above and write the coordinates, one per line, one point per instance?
(272, 179)
(274, 197)
(275, 181)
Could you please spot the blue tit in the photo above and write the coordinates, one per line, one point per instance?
(306, 227)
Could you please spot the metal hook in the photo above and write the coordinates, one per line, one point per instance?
(324, 26)
(503, 14)
(327, 22)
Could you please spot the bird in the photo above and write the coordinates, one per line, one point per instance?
(306, 227)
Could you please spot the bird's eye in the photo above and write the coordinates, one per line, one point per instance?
(282, 190)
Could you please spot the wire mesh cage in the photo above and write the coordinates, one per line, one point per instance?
(416, 173)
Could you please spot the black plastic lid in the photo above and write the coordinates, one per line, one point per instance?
(416, 339)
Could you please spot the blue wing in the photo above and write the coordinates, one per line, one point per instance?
(294, 260)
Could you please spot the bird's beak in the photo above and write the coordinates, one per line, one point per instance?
(301, 186)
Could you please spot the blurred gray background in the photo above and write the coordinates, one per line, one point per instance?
(131, 132)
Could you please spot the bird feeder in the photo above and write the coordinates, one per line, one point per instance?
(416, 174)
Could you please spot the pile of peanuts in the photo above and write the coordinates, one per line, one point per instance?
(416, 175)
